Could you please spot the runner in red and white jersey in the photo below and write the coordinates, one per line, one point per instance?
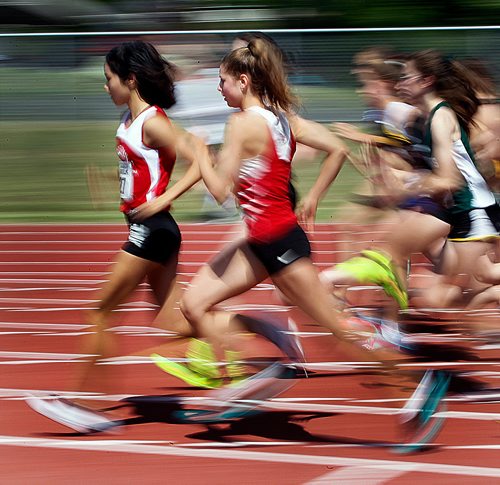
(144, 171)
(138, 77)
(263, 186)
(254, 164)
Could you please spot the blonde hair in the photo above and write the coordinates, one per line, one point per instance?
(379, 63)
(264, 63)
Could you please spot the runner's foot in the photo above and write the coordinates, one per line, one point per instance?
(417, 417)
(72, 415)
(185, 373)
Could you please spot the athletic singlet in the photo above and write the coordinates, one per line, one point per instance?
(263, 186)
(144, 171)
(395, 117)
(475, 194)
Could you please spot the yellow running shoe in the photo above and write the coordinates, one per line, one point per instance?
(186, 374)
(391, 283)
(202, 359)
(234, 368)
(363, 269)
(373, 267)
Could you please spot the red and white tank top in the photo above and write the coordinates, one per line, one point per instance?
(144, 171)
(263, 189)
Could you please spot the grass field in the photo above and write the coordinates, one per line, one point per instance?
(43, 175)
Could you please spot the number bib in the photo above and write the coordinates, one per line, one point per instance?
(126, 180)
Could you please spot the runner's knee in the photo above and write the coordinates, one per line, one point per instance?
(192, 309)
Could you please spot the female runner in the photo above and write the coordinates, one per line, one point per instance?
(442, 90)
(138, 77)
(255, 164)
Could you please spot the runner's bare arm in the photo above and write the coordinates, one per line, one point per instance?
(446, 177)
(159, 134)
(319, 137)
(220, 179)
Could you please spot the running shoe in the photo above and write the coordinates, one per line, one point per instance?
(298, 350)
(367, 269)
(244, 399)
(185, 373)
(201, 359)
(391, 283)
(363, 269)
(235, 369)
(69, 414)
(416, 416)
(387, 333)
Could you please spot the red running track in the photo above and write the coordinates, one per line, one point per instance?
(338, 426)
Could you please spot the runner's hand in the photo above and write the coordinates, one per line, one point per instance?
(306, 211)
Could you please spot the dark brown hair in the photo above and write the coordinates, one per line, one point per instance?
(154, 75)
(263, 61)
(480, 77)
(450, 82)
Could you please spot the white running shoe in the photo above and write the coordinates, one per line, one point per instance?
(243, 399)
(71, 415)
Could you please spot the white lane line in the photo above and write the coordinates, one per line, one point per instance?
(45, 242)
(118, 446)
(98, 251)
(49, 280)
(20, 394)
(47, 288)
(54, 273)
(115, 242)
(45, 334)
(488, 347)
(42, 355)
(46, 326)
(93, 286)
(37, 362)
(335, 366)
(66, 309)
(308, 407)
(241, 444)
(22, 332)
(56, 263)
(354, 475)
(57, 251)
(449, 364)
(78, 263)
(383, 411)
(473, 447)
(46, 301)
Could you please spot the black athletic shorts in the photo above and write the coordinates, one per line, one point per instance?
(156, 239)
(278, 254)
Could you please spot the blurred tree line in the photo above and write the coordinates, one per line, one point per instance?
(330, 13)
(101, 15)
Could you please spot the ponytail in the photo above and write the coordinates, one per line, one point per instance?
(264, 62)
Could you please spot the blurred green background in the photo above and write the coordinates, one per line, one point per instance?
(56, 119)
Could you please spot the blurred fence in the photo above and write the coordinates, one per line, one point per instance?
(59, 77)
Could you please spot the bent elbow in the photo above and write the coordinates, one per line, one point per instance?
(340, 149)
(343, 152)
(220, 198)
(220, 195)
